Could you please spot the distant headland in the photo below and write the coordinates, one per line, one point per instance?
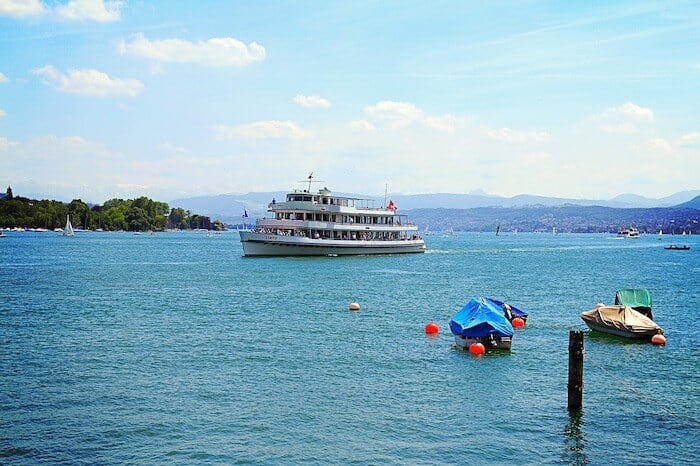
(140, 214)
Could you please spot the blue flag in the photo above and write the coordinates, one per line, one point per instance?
(245, 212)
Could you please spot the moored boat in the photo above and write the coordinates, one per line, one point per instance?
(480, 321)
(638, 299)
(622, 321)
(677, 247)
(325, 224)
(509, 311)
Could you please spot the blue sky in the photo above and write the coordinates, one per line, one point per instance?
(103, 99)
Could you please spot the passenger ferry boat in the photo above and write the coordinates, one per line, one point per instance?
(628, 233)
(323, 224)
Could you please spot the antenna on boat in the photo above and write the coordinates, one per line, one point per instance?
(308, 180)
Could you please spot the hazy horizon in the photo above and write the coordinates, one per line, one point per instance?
(40, 195)
(103, 99)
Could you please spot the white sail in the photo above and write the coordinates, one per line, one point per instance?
(68, 230)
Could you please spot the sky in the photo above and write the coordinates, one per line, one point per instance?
(169, 99)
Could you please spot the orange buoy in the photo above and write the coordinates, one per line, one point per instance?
(518, 322)
(658, 339)
(477, 349)
(354, 307)
(431, 328)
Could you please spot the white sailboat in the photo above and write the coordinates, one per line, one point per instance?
(68, 230)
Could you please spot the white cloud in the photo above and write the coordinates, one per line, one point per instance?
(396, 113)
(660, 145)
(401, 114)
(634, 111)
(628, 111)
(170, 148)
(689, 140)
(272, 129)
(3, 78)
(75, 10)
(88, 82)
(312, 101)
(363, 125)
(445, 123)
(512, 135)
(537, 157)
(218, 51)
(68, 167)
(6, 144)
(2, 113)
(92, 10)
(21, 8)
(620, 128)
(624, 119)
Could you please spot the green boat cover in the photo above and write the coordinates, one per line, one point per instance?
(638, 299)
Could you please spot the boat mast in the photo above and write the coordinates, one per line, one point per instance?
(308, 179)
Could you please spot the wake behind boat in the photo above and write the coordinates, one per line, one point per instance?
(322, 224)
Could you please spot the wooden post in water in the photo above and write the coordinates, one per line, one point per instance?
(575, 385)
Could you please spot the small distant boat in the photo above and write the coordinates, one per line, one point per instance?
(68, 229)
(638, 299)
(678, 247)
(2, 234)
(628, 233)
(622, 321)
(479, 321)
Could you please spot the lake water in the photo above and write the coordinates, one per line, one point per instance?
(174, 349)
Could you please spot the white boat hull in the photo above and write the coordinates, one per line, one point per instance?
(503, 343)
(265, 244)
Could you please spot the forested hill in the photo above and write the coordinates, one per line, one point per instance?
(140, 214)
(570, 218)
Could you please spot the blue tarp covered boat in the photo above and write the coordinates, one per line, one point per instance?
(481, 321)
(510, 311)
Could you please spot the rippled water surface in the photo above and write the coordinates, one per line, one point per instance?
(174, 349)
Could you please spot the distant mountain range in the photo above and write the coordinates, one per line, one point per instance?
(230, 207)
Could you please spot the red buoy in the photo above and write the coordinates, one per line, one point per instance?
(658, 339)
(517, 322)
(477, 349)
(431, 328)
